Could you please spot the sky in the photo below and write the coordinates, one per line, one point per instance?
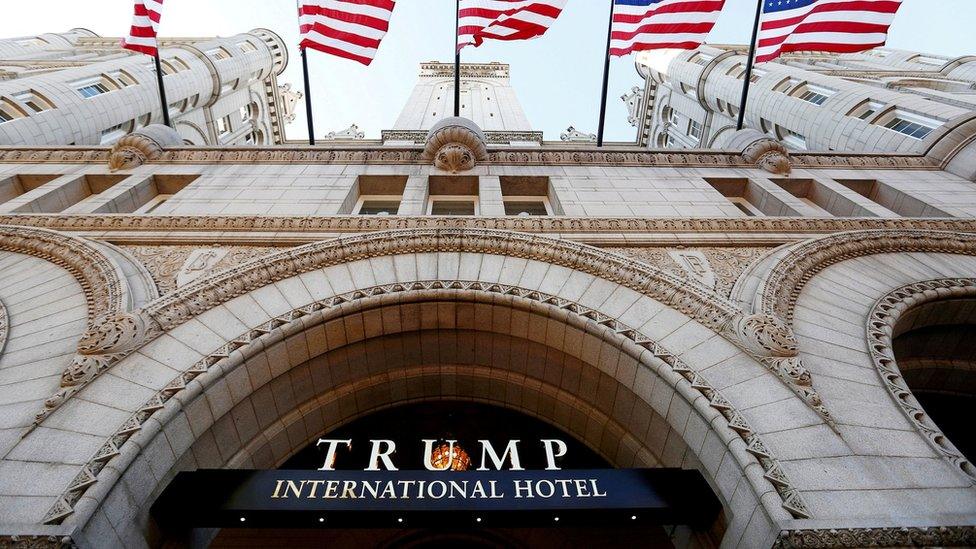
(557, 77)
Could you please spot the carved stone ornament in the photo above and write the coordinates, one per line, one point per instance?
(104, 343)
(762, 150)
(142, 146)
(456, 145)
(844, 538)
(572, 135)
(4, 327)
(351, 133)
(765, 335)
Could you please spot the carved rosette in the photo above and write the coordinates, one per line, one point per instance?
(765, 335)
(142, 146)
(763, 151)
(456, 145)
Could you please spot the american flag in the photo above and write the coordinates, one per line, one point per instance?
(841, 26)
(652, 24)
(145, 26)
(480, 20)
(346, 28)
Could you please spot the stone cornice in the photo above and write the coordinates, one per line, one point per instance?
(229, 224)
(554, 155)
(843, 538)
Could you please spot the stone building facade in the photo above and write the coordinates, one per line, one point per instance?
(778, 320)
(881, 100)
(77, 88)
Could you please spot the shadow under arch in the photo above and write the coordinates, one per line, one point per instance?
(695, 428)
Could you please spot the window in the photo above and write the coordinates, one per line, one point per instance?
(669, 141)
(245, 114)
(246, 47)
(124, 79)
(744, 206)
(224, 125)
(866, 110)
(113, 134)
(378, 205)
(908, 127)
(791, 138)
(219, 53)
(694, 130)
(756, 75)
(526, 206)
(813, 94)
(91, 88)
(34, 101)
(701, 59)
(4, 117)
(786, 84)
(925, 60)
(453, 206)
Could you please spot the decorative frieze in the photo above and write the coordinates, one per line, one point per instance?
(542, 156)
(175, 266)
(4, 327)
(855, 538)
(536, 224)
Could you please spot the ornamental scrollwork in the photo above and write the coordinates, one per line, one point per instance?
(4, 327)
(791, 499)
(856, 538)
(881, 324)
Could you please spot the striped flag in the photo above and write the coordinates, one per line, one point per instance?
(346, 28)
(653, 24)
(480, 20)
(841, 26)
(145, 26)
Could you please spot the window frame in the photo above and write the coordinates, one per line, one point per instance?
(363, 199)
(544, 200)
(453, 198)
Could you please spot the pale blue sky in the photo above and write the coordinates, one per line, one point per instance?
(557, 77)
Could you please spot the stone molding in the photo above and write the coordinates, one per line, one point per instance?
(791, 499)
(562, 225)
(682, 293)
(556, 155)
(782, 286)
(455, 145)
(104, 286)
(881, 324)
(4, 327)
(934, 536)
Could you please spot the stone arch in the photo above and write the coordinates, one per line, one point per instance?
(885, 317)
(694, 411)
(778, 280)
(192, 133)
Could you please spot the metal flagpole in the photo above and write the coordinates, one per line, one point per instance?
(457, 59)
(308, 97)
(749, 64)
(162, 88)
(606, 79)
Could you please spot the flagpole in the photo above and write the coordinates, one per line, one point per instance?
(457, 59)
(749, 65)
(606, 79)
(162, 88)
(308, 97)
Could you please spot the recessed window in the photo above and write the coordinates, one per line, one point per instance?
(246, 47)
(245, 114)
(909, 128)
(453, 206)
(701, 59)
(813, 94)
(378, 206)
(695, 130)
(113, 134)
(224, 125)
(526, 207)
(925, 60)
(4, 117)
(124, 79)
(786, 84)
(93, 86)
(34, 101)
(867, 110)
(219, 53)
(791, 138)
